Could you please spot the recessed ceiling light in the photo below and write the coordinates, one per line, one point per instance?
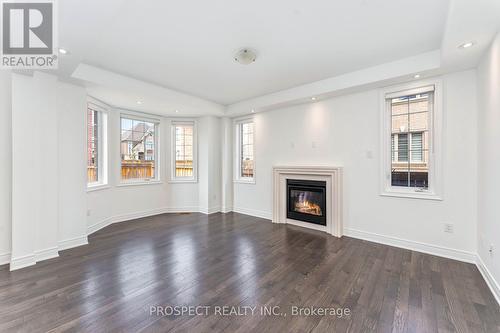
(253, 111)
(139, 102)
(466, 45)
(313, 98)
(176, 111)
(63, 51)
(416, 76)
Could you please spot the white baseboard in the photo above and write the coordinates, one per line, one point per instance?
(4, 258)
(227, 209)
(211, 210)
(488, 277)
(99, 225)
(157, 211)
(138, 215)
(52, 252)
(74, 242)
(253, 212)
(21, 262)
(187, 209)
(440, 251)
(32, 259)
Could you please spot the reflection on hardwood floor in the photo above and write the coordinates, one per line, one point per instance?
(236, 260)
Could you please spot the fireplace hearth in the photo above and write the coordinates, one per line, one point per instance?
(306, 201)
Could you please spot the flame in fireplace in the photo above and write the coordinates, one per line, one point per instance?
(307, 207)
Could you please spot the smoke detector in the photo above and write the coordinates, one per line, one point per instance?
(245, 56)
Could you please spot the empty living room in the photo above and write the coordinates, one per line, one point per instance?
(262, 166)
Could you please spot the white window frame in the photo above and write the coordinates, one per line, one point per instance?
(173, 178)
(237, 151)
(435, 188)
(102, 135)
(140, 117)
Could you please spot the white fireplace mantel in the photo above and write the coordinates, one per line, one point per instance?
(333, 178)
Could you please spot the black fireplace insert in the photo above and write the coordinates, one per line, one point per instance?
(306, 200)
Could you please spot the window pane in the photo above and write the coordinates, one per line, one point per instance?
(92, 146)
(410, 140)
(419, 175)
(417, 147)
(137, 148)
(403, 147)
(246, 150)
(184, 150)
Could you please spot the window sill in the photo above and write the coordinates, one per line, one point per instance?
(412, 195)
(244, 181)
(139, 183)
(97, 187)
(182, 181)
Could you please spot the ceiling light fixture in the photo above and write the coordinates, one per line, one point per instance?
(139, 102)
(176, 111)
(63, 51)
(245, 56)
(466, 45)
(313, 98)
(253, 111)
(416, 76)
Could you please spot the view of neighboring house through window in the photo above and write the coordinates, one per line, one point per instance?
(183, 150)
(246, 163)
(93, 124)
(138, 149)
(410, 119)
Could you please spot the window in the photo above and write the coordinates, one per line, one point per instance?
(411, 118)
(183, 151)
(96, 145)
(245, 151)
(138, 149)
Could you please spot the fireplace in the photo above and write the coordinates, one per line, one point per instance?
(306, 200)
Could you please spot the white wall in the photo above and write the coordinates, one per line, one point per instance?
(489, 161)
(345, 131)
(5, 166)
(210, 167)
(72, 165)
(47, 173)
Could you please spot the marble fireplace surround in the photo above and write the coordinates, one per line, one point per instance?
(333, 178)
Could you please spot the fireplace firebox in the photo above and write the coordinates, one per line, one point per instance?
(306, 201)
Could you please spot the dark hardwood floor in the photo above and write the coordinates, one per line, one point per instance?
(236, 260)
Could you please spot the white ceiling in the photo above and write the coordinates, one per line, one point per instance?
(189, 45)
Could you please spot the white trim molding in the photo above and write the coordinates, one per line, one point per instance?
(333, 178)
(153, 212)
(439, 251)
(32, 259)
(488, 277)
(22, 262)
(4, 258)
(73, 242)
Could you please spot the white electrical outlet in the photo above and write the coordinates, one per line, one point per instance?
(448, 227)
(88, 212)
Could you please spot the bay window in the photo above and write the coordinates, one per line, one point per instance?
(138, 149)
(183, 168)
(96, 151)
